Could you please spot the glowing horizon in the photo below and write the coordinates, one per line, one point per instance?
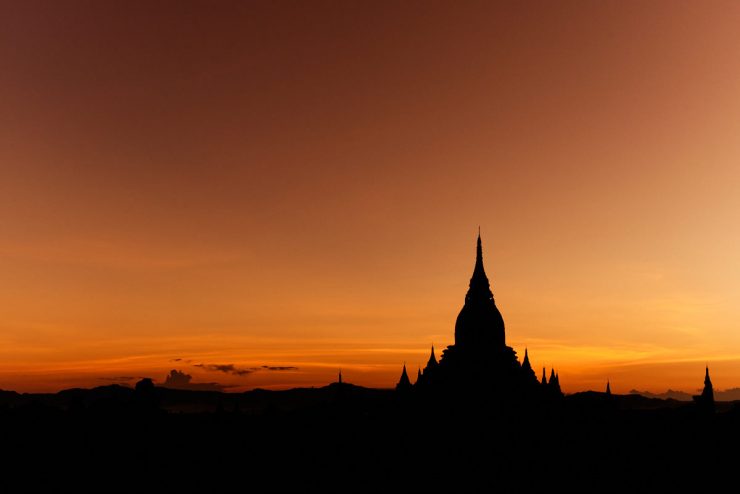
(301, 185)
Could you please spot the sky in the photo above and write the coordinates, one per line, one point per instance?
(259, 194)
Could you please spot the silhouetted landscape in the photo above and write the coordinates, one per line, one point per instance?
(238, 247)
(475, 420)
(344, 437)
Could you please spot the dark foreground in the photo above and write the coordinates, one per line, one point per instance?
(350, 439)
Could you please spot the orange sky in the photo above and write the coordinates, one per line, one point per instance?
(300, 184)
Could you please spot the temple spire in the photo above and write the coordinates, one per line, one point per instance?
(432, 362)
(527, 370)
(404, 384)
(526, 358)
(708, 392)
(706, 399)
(554, 383)
(480, 288)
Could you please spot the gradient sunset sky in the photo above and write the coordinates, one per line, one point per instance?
(198, 185)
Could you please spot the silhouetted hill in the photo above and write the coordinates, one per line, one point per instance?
(732, 394)
(190, 401)
(668, 395)
(7, 395)
(286, 401)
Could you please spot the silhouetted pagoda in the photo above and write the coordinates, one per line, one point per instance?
(480, 361)
(705, 401)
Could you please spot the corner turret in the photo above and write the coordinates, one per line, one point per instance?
(404, 384)
(527, 371)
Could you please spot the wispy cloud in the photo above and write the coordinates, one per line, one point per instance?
(227, 369)
(244, 371)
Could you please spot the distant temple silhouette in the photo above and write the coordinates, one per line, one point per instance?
(705, 401)
(480, 360)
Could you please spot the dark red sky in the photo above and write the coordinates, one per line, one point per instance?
(300, 183)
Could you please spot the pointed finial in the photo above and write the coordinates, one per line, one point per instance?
(478, 270)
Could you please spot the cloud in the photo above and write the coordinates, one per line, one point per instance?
(243, 371)
(227, 369)
(179, 380)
